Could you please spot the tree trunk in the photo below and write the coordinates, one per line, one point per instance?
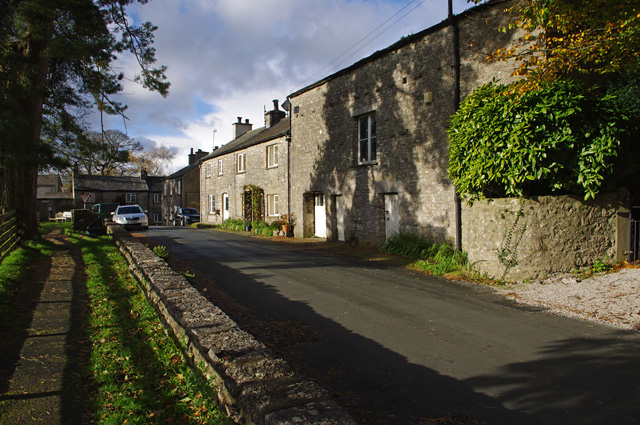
(21, 159)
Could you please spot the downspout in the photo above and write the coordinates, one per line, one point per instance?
(456, 105)
(288, 139)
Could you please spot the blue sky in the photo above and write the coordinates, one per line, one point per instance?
(231, 58)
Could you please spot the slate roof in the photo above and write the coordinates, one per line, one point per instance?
(110, 183)
(252, 138)
(183, 171)
(155, 183)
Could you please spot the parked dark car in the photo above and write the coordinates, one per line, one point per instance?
(186, 217)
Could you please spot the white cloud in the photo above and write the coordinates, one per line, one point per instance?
(230, 58)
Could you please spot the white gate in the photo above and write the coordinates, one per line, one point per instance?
(320, 216)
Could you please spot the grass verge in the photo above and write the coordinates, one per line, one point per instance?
(139, 374)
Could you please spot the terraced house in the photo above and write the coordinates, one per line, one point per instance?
(248, 177)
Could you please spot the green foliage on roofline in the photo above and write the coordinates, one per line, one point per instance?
(558, 138)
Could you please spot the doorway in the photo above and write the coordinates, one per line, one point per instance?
(391, 215)
(225, 206)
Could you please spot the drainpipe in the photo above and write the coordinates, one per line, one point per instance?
(288, 139)
(456, 104)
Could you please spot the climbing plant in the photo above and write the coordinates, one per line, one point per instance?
(253, 203)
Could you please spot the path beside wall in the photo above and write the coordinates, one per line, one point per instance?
(254, 386)
(517, 240)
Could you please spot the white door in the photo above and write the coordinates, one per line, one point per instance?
(340, 217)
(225, 206)
(320, 216)
(391, 217)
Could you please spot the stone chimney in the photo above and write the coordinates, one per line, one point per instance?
(143, 173)
(241, 127)
(272, 117)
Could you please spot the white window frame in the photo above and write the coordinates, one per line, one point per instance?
(241, 163)
(367, 138)
(220, 167)
(130, 198)
(157, 218)
(179, 192)
(212, 204)
(208, 168)
(157, 198)
(273, 205)
(272, 156)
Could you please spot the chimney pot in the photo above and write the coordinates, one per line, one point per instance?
(239, 120)
(275, 104)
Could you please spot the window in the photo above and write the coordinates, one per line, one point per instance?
(367, 139)
(157, 218)
(212, 204)
(131, 198)
(241, 161)
(179, 187)
(273, 207)
(208, 169)
(219, 167)
(157, 198)
(272, 156)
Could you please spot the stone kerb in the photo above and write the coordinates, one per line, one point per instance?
(253, 385)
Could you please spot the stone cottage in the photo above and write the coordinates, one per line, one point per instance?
(368, 143)
(182, 188)
(247, 178)
(143, 190)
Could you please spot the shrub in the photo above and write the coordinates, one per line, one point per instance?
(437, 259)
(508, 140)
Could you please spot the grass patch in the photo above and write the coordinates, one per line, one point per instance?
(138, 372)
(434, 258)
(14, 269)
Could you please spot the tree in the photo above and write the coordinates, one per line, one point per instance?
(56, 59)
(570, 38)
(155, 160)
(108, 153)
(558, 137)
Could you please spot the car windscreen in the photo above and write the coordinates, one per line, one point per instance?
(129, 210)
(189, 211)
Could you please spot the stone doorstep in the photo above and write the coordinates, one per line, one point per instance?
(254, 387)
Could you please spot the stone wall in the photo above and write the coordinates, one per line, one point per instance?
(253, 385)
(409, 87)
(544, 235)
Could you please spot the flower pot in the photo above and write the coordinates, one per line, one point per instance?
(286, 228)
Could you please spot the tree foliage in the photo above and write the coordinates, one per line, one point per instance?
(56, 59)
(569, 37)
(155, 160)
(558, 137)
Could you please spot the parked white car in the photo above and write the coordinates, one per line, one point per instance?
(131, 216)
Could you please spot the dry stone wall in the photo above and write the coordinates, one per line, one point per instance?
(253, 385)
(526, 239)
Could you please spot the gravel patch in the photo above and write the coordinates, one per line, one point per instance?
(612, 299)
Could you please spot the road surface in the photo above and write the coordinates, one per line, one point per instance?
(399, 347)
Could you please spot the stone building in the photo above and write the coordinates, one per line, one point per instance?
(182, 188)
(248, 177)
(368, 143)
(143, 190)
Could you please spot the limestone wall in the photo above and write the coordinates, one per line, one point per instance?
(534, 238)
(253, 385)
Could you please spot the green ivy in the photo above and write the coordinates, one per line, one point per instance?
(558, 138)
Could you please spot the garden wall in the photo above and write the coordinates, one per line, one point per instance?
(518, 240)
(253, 385)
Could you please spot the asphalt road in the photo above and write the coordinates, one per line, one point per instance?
(400, 346)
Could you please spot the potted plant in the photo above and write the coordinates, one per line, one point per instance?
(288, 221)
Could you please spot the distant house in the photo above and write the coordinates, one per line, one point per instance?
(248, 177)
(143, 190)
(182, 188)
(50, 197)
